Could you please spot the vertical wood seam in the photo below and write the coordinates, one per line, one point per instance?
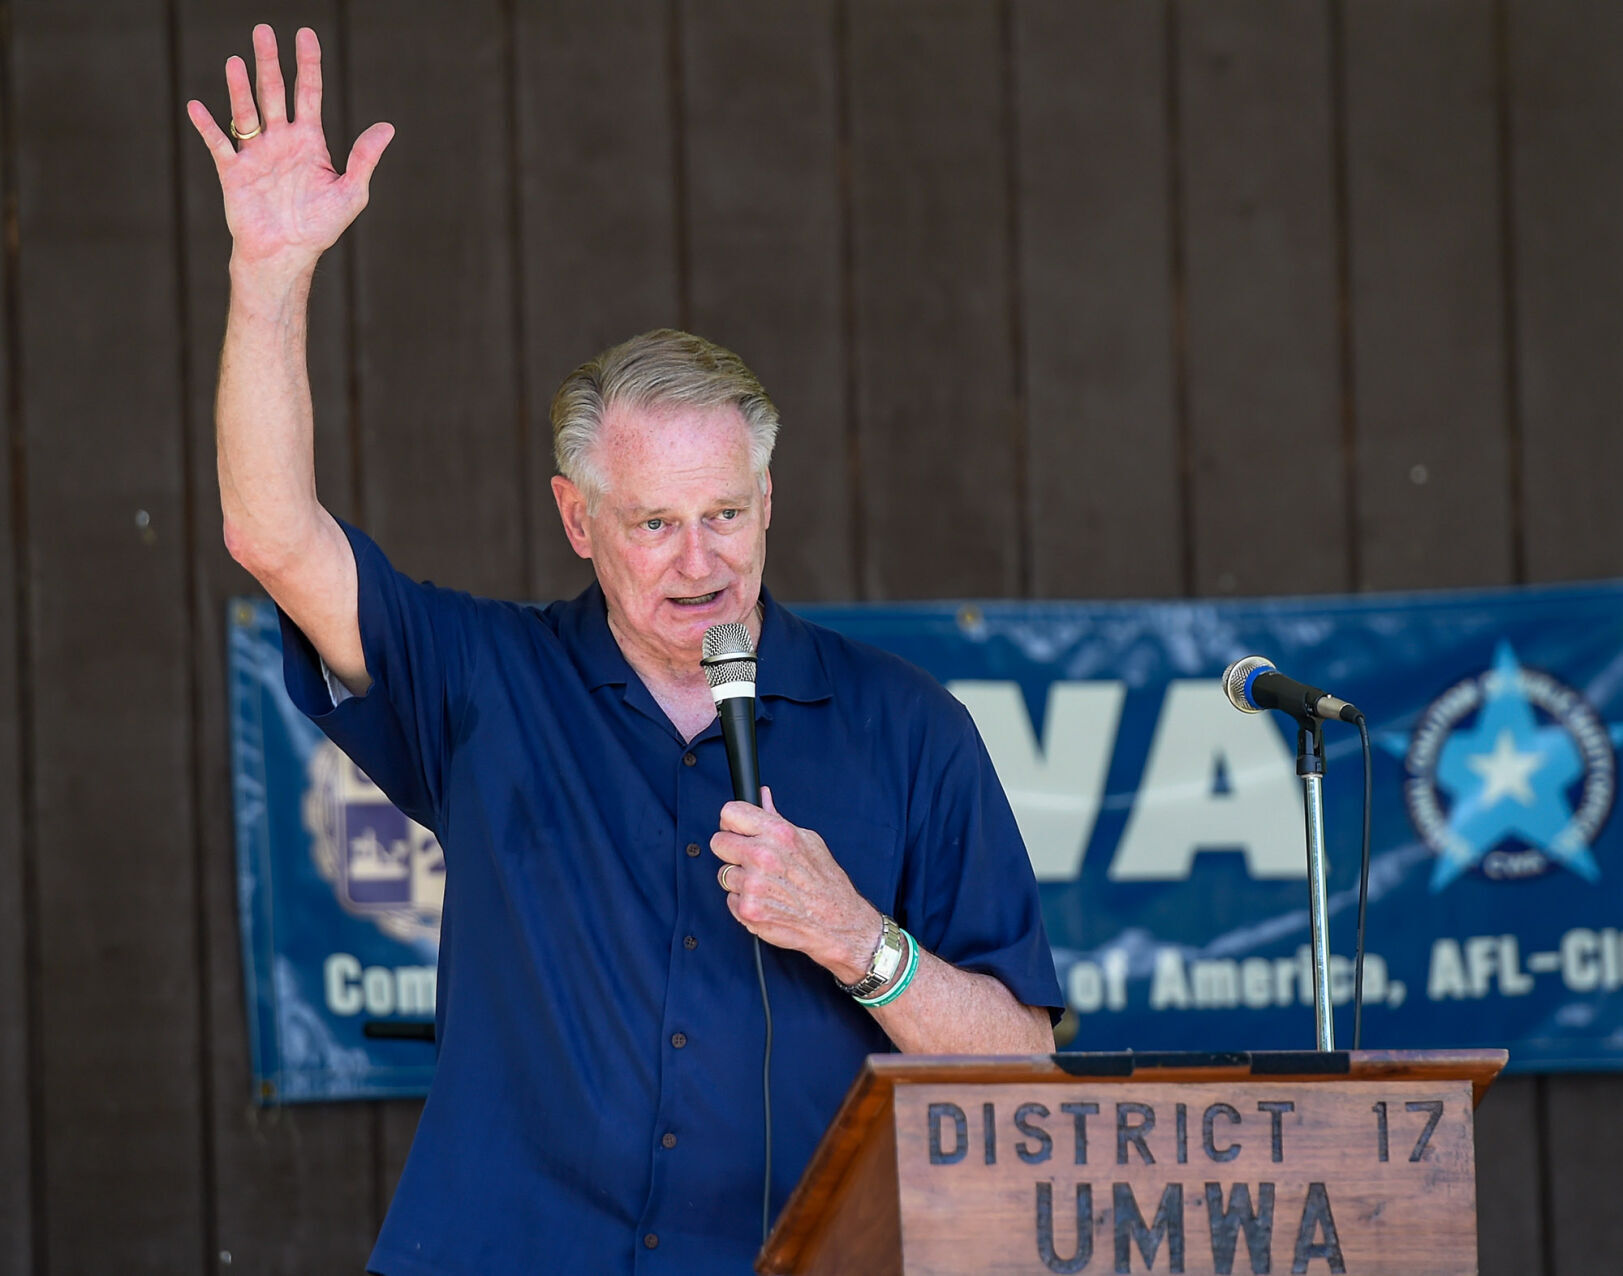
(196, 625)
(27, 813)
(1341, 215)
(343, 27)
(848, 298)
(527, 497)
(683, 229)
(1502, 89)
(1178, 277)
(1019, 426)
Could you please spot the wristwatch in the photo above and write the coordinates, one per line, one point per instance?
(883, 965)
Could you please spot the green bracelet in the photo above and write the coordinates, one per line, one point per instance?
(885, 998)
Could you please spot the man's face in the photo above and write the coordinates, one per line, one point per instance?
(678, 540)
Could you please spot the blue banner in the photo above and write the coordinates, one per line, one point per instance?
(339, 896)
(1165, 827)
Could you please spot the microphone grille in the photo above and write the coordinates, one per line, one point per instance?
(1234, 680)
(729, 654)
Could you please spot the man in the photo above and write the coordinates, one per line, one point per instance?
(597, 1100)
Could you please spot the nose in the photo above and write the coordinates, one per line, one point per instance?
(694, 558)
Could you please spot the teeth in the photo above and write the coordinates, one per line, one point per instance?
(697, 599)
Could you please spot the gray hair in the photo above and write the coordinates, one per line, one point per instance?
(660, 368)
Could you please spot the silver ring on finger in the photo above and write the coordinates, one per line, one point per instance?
(241, 135)
(721, 877)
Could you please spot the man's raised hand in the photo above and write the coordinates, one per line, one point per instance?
(284, 201)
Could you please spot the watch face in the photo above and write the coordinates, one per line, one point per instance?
(883, 965)
(888, 956)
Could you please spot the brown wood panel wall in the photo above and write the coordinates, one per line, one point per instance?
(1057, 297)
(121, 1174)
(1426, 294)
(940, 434)
(1510, 1138)
(1097, 322)
(1258, 234)
(16, 887)
(1565, 110)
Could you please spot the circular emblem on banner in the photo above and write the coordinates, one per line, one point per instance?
(1510, 774)
(382, 866)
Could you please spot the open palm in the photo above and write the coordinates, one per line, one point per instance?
(284, 201)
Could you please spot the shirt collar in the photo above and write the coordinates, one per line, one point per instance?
(791, 666)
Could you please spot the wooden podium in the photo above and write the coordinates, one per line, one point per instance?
(1285, 1161)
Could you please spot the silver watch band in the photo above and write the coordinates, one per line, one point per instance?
(883, 965)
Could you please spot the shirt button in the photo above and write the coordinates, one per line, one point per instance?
(669, 1140)
(693, 848)
(688, 759)
(689, 942)
(679, 1039)
(650, 1241)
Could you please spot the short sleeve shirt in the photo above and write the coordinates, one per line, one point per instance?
(597, 1100)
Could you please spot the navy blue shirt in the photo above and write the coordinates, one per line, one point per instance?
(596, 1104)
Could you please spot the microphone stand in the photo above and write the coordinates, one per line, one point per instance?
(1310, 767)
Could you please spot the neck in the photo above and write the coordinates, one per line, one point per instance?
(675, 678)
(657, 665)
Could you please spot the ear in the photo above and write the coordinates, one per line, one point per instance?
(766, 502)
(572, 510)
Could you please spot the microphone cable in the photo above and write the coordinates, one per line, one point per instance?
(766, 1095)
(1363, 890)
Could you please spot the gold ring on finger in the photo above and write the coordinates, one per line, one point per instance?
(722, 877)
(241, 136)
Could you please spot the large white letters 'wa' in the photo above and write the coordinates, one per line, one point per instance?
(1179, 810)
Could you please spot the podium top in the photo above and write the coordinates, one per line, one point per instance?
(1479, 1067)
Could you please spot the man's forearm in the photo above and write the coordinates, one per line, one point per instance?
(793, 894)
(274, 524)
(950, 1011)
(263, 418)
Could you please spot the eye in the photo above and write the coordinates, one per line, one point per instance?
(728, 515)
(653, 524)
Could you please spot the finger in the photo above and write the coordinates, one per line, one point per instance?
(749, 912)
(729, 847)
(244, 114)
(747, 818)
(218, 143)
(307, 84)
(268, 68)
(364, 155)
(767, 804)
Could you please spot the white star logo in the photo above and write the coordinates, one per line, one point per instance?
(1505, 772)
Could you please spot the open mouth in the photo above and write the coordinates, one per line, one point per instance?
(698, 600)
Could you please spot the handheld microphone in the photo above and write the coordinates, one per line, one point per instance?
(1252, 684)
(729, 668)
